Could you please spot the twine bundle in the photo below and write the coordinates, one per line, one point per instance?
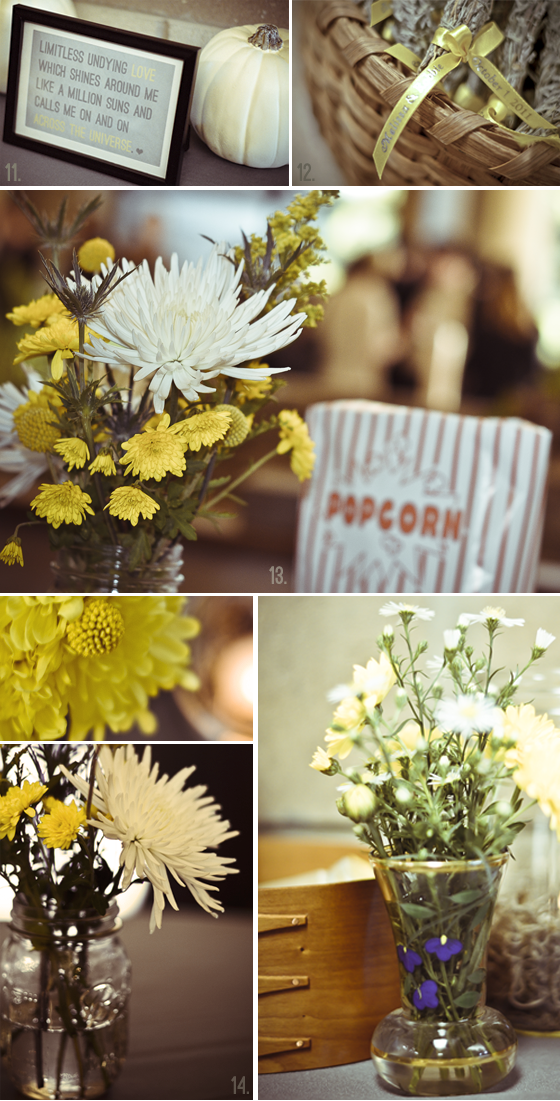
(524, 966)
(354, 85)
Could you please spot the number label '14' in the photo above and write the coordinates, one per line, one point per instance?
(239, 1087)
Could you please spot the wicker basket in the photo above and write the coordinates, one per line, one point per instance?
(354, 87)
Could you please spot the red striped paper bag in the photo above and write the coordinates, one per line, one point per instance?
(414, 500)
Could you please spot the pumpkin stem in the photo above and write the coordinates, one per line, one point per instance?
(266, 37)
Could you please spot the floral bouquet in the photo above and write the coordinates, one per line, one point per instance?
(70, 666)
(154, 381)
(65, 974)
(432, 801)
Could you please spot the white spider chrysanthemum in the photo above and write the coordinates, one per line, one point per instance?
(492, 614)
(468, 713)
(394, 608)
(161, 827)
(26, 466)
(187, 326)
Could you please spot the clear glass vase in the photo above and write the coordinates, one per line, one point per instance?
(444, 1041)
(64, 1002)
(524, 946)
(83, 568)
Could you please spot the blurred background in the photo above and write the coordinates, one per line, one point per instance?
(448, 299)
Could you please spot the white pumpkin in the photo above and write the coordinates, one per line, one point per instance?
(240, 105)
(62, 7)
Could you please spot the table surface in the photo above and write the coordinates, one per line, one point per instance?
(201, 167)
(535, 1076)
(191, 1016)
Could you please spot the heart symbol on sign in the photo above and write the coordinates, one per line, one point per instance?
(139, 151)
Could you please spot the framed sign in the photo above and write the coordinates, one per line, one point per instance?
(103, 98)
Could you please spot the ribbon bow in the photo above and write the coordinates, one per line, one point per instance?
(460, 47)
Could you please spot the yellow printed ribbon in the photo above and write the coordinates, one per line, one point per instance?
(495, 111)
(380, 10)
(461, 47)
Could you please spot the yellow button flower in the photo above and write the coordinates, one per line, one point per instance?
(12, 552)
(62, 504)
(95, 252)
(129, 503)
(74, 451)
(204, 429)
(18, 801)
(60, 826)
(154, 453)
(98, 630)
(34, 422)
(294, 437)
(239, 426)
(39, 312)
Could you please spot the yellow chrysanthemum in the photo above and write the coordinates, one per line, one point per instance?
(103, 464)
(294, 437)
(204, 429)
(98, 630)
(40, 311)
(129, 503)
(239, 425)
(50, 689)
(35, 423)
(74, 451)
(95, 252)
(62, 504)
(154, 453)
(536, 757)
(60, 826)
(253, 390)
(61, 337)
(18, 801)
(12, 552)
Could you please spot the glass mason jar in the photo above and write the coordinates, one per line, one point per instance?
(524, 947)
(444, 1041)
(83, 568)
(64, 1002)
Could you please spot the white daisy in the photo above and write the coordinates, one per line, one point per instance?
(394, 608)
(543, 639)
(161, 827)
(187, 326)
(27, 466)
(490, 614)
(467, 713)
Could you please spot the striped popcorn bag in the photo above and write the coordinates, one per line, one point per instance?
(414, 500)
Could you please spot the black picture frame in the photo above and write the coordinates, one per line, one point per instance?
(34, 32)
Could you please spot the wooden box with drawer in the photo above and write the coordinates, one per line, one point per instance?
(327, 973)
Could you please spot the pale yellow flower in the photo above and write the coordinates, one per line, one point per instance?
(204, 429)
(61, 825)
(12, 553)
(95, 252)
(18, 801)
(38, 312)
(294, 437)
(62, 504)
(74, 451)
(537, 757)
(321, 760)
(129, 503)
(374, 681)
(61, 337)
(348, 720)
(154, 453)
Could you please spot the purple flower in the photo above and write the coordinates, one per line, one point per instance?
(426, 997)
(409, 958)
(443, 948)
